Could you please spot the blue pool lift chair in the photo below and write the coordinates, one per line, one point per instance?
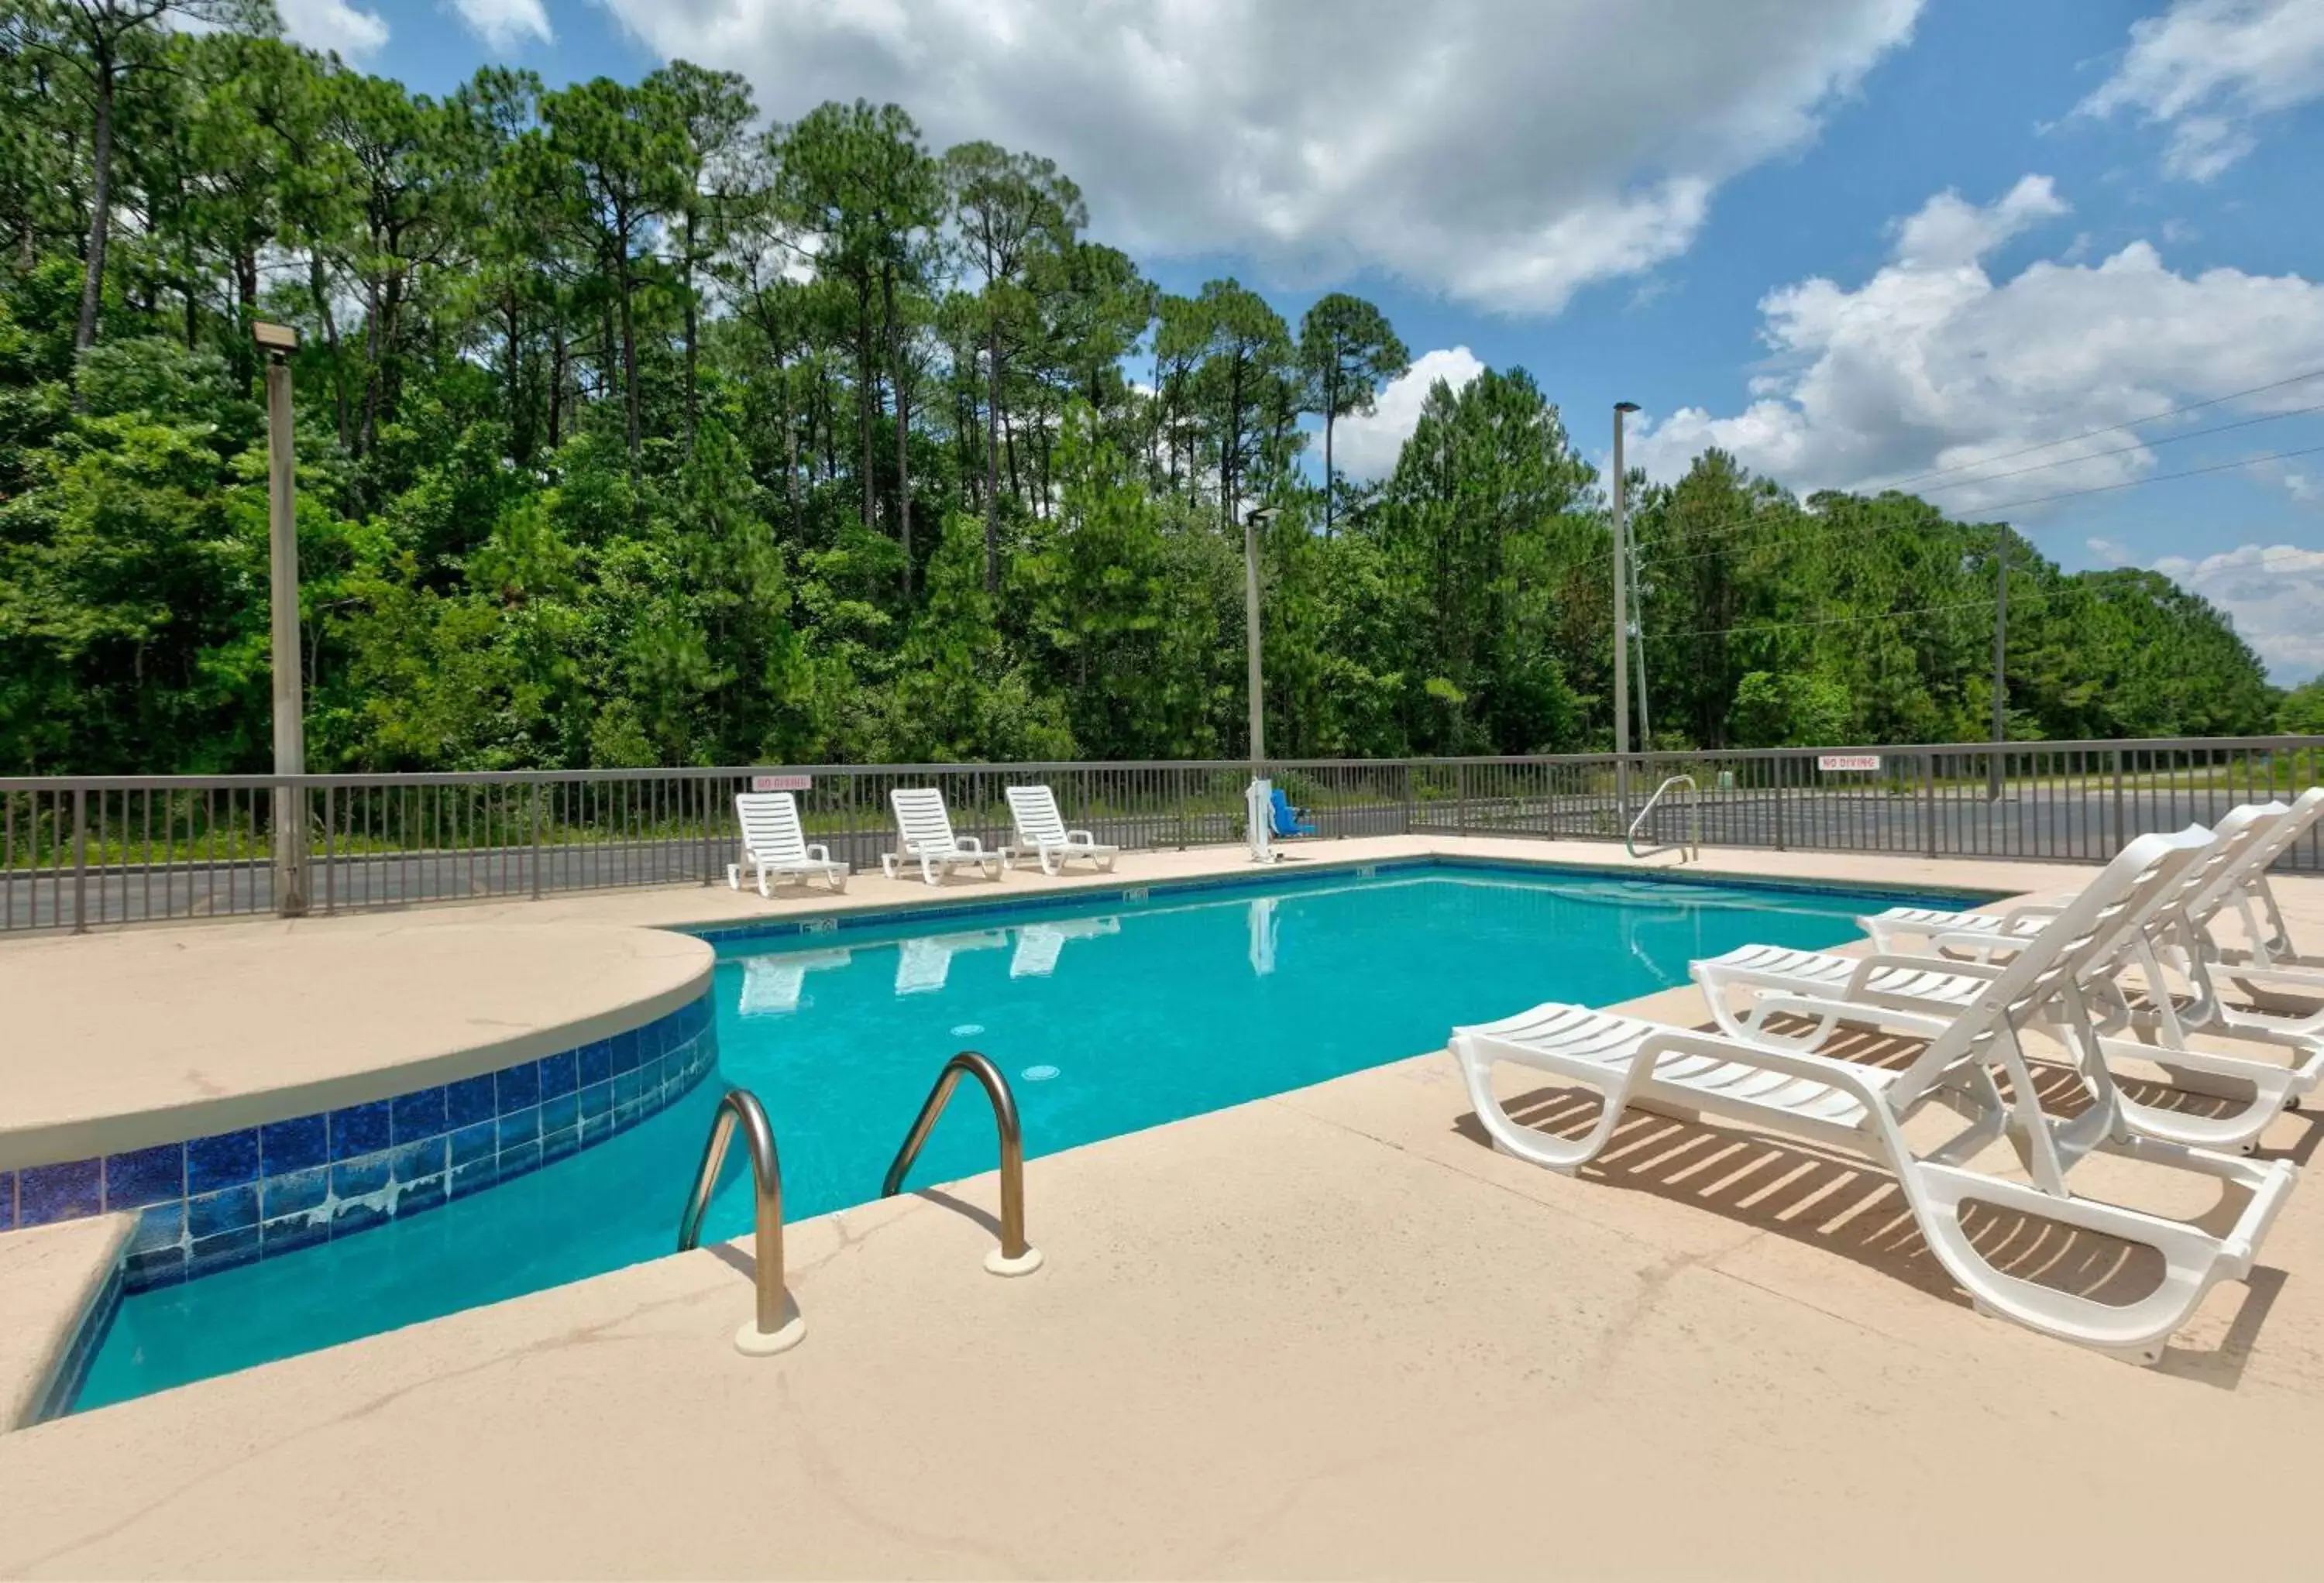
(1288, 820)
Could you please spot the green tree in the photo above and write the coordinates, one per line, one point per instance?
(1347, 351)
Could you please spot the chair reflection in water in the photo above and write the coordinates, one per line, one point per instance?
(922, 965)
(1040, 945)
(771, 985)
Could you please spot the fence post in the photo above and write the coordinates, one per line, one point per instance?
(1409, 795)
(1929, 805)
(330, 849)
(708, 805)
(537, 789)
(1776, 764)
(80, 859)
(1179, 777)
(1460, 797)
(2117, 804)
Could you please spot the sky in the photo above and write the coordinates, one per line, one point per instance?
(1856, 242)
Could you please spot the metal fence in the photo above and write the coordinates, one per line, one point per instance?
(82, 852)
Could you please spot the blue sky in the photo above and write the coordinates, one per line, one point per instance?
(1852, 241)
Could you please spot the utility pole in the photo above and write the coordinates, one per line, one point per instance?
(290, 821)
(1622, 410)
(1260, 797)
(2000, 656)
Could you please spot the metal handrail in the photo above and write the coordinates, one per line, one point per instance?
(1015, 1256)
(1690, 848)
(740, 1108)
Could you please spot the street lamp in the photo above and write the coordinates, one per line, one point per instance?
(1261, 798)
(1622, 410)
(278, 342)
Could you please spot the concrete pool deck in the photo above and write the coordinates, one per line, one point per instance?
(1327, 1333)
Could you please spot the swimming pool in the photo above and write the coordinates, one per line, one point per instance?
(1109, 1014)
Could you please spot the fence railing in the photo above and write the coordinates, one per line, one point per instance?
(82, 852)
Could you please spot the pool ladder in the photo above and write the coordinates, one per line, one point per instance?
(1690, 846)
(1015, 1256)
(778, 1326)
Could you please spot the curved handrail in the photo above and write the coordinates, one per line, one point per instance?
(740, 1108)
(1690, 848)
(1014, 1252)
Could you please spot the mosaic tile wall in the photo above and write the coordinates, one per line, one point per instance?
(216, 1202)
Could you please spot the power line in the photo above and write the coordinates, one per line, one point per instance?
(2288, 552)
(1751, 518)
(2114, 428)
(1887, 615)
(2168, 440)
(1836, 529)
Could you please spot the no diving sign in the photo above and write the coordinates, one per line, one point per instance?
(1859, 761)
(781, 782)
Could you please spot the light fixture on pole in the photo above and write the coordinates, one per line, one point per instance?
(1259, 799)
(290, 821)
(1622, 410)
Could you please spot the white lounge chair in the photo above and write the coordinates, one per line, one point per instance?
(1040, 945)
(2244, 888)
(773, 843)
(1773, 979)
(923, 964)
(771, 985)
(1862, 1108)
(923, 835)
(1041, 833)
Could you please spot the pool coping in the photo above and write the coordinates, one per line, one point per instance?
(1102, 888)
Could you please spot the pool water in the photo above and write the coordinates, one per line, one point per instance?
(1108, 1016)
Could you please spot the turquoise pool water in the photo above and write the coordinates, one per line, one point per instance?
(1108, 1016)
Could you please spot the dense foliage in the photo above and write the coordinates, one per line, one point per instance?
(630, 431)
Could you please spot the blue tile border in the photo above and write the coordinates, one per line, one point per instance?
(212, 1203)
(905, 915)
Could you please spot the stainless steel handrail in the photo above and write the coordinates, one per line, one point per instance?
(773, 1327)
(1690, 848)
(1015, 1256)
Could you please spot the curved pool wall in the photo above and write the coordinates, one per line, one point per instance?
(215, 1204)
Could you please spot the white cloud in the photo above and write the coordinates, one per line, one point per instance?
(1949, 233)
(2303, 489)
(2111, 553)
(2209, 68)
(332, 25)
(1933, 365)
(503, 24)
(2275, 596)
(1367, 447)
(1505, 152)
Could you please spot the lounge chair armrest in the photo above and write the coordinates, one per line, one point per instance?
(1083, 837)
(968, 843)
(1951, 966)
(1803, 1064)
(1793, 1004)
(820, 852)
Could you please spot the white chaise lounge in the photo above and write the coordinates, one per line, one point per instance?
(923, 835)
(1862, 1108)
(1041, 833)
(773, 843)
(2245, 890)
(1748, 985)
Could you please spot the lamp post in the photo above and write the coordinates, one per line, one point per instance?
(1622, 410)
(278, 342)
(1260, 797)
